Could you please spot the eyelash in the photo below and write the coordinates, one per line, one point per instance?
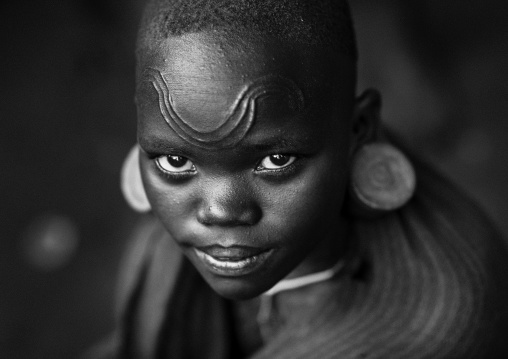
(285, 169)
(174, 174)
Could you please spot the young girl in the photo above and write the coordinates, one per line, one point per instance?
(284, 223)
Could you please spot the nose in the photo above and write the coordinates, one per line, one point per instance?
(228, 203)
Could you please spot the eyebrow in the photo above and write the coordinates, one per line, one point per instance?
(157, 145)
(273, 143)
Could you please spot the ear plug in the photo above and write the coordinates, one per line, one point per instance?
(382, 179)
(132, 184)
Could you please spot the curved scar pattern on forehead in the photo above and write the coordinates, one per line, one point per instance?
(241, 114)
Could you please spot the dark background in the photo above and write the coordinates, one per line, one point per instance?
(68, 119)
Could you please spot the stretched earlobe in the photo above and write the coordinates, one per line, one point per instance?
(132, 184)
(382, 178)
(366, 119)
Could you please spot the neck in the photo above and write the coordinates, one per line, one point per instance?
(326, 253)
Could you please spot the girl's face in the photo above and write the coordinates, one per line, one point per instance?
(244, 155)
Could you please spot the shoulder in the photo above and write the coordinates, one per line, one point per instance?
(147, 276)
(144, 250)
(437, 268)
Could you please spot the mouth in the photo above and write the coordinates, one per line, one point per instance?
(232, 261)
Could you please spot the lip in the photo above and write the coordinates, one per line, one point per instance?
(232, 253)
(232, 261)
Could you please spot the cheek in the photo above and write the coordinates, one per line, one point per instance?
(311, 202)
(172, 206)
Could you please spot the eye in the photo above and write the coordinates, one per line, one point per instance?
(174, 164)
(276, 161)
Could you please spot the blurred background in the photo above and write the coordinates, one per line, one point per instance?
(68, 119)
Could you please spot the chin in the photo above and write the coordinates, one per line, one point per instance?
(237, 288)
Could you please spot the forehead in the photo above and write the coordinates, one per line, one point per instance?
(207, 84)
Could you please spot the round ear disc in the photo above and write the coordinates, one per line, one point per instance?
(131, 183)
(382, 177)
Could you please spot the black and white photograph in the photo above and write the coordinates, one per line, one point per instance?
(254, 179)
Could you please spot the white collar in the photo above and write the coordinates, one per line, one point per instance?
(288, 284)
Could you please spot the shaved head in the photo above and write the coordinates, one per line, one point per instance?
(313, 22)
(224, 89)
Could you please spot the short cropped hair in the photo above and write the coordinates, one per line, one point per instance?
(315, 22)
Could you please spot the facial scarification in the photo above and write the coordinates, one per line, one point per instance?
(240, 116)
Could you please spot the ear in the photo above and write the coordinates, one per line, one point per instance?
(366, 119)
(132, 184)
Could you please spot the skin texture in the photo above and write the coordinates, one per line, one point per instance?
(230, 193)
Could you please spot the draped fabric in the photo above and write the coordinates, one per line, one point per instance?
(428, 282)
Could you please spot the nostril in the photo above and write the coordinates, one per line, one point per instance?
(250, 216)
(223, 216)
